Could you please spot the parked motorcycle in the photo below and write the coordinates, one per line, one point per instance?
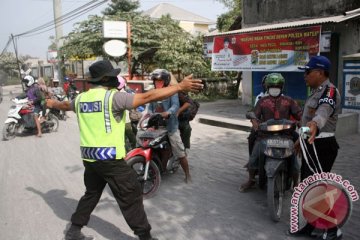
(61, 115)
(21, 120)
(153, 156)
(278, 150)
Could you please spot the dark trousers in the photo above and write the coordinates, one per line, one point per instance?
(185, 132)
(251, 140)
(327, 150)
(125, 187)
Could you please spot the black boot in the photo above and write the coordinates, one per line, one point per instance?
(146, 236)
(331, 234)
(74, 233)
(305, 231)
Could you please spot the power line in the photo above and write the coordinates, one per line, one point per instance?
(70, 18)
(62, 18)
(6, 46)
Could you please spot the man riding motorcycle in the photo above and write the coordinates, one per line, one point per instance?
(168, 109)
(273, 106)
(34, 95)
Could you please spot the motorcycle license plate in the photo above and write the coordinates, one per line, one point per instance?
(278, 143)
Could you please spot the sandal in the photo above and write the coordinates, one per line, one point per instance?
(246, 186)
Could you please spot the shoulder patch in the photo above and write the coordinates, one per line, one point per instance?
(328, 97)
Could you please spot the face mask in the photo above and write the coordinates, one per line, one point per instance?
(274, 92)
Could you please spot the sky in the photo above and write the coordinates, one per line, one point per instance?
(19, 16)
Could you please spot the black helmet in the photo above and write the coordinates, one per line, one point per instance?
(161, 74)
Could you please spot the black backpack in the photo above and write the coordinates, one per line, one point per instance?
(190, 113)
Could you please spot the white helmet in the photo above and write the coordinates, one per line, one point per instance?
(29, 81)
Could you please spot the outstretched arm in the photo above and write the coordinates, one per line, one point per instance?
(64, 105)
(186, 85)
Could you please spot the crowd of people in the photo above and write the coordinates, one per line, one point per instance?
(102, 131)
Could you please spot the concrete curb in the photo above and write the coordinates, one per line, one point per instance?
(242, 125)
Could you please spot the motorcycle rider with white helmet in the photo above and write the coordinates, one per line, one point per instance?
(34, 95)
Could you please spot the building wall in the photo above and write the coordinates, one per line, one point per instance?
(260, 12)
(194, 28)
(187, 26)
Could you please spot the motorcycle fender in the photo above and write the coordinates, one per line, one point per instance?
(272, 166)
(146, 153)
(9, 120)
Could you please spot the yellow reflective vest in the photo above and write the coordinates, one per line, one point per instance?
(101, 136)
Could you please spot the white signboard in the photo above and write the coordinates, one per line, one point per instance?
(114, 29)
(115, 48)
(52, 56)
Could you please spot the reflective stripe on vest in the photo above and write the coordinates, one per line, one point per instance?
(102, 137)
(107, 112)
(98, 153)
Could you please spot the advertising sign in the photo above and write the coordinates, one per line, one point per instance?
(278, 50)
(208, 47)
(351, 83)
(114, 29)
(52, 56)
(352, 90)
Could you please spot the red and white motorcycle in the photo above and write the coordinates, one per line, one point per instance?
(21, 119)
(153, 156)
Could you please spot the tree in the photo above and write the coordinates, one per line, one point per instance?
(52, 46)
(121, 6)
(8, 63)
(85, 40)
(153, 42)
(232, 19)
(179, 51)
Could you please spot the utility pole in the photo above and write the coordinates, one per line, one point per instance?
(17, 61)
(58, 40)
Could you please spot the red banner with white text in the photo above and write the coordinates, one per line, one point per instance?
(278, 50)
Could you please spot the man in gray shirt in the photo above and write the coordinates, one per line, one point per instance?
(100, 112)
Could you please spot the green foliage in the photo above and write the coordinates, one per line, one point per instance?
(52, 46)
(232, 19)
(85, 40)
(154, 43)
(8, 63)
(121, 6)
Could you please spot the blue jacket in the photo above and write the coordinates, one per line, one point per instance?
(170, 105)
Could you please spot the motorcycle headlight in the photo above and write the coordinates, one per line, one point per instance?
(278, 152)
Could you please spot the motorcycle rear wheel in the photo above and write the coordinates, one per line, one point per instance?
(152, 184)
(275, 195)
(9, 131)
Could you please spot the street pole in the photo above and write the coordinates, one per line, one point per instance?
(17, 61)
(129, 49)
(58, 40)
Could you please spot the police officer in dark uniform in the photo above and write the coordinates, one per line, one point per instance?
(101, 118)
(320, 114)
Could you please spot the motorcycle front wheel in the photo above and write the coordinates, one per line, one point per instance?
(275, 195)
(9, 131)
(152, 183)
(54, 122)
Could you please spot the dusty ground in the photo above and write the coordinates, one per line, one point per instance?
(41, 182)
